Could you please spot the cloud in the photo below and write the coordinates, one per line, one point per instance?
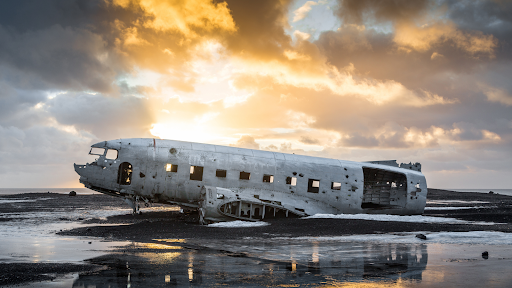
(498, 95)
(301, 35)
(397, 80)
(436, 55)
(247, 141)
(309, 140)
(104, 117)
(190, 18)
(417, 25)
(63, 57)
(357, 10)
(303, 11)
(409, 36)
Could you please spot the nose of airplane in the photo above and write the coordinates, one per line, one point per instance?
(78, 168)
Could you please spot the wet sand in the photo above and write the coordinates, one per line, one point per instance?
(168, 247)
(175, 225)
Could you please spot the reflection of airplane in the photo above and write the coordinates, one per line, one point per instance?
(295, 264)
(228, 183)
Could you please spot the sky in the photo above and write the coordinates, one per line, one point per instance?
(416, 81)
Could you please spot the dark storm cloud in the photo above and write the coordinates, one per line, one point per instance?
(261, 29)
(95, 15)
(491, 17)
(488, 16)
(419, 64)
(396, 10)
(375, 55)
(64, 57)
(63, 44)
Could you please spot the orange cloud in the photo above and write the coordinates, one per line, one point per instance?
(410, 36)
(185, 16)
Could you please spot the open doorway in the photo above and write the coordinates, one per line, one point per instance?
(124, 176)
(384, 189)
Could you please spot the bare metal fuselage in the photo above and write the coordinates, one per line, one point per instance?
(228, 183)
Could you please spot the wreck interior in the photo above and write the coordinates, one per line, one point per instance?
(254, 211)
(383, 189)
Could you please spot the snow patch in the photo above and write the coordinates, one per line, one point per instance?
(238, 224)
(455, 201)
(397, 218)
(17, 200)
(472, 237)
(457, 208)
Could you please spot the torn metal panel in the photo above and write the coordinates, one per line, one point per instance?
(253, 184)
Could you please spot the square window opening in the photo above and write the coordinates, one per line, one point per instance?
(221, 173)
(171, 168)
(313, 185)
(336, 186)
(111, 154)
(268, 178)
(97, 151)
(291, 181)
(196, 173)
(245, 175)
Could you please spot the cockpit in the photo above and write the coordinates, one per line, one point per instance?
(110, 154)
(106, 171)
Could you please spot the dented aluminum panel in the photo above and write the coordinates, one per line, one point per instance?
(229, 183)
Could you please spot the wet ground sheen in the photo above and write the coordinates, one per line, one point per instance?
(44, 236)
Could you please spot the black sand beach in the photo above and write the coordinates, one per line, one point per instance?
(150, 228)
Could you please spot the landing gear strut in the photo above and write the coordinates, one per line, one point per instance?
(134, 203)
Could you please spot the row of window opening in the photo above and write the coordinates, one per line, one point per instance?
(196, 173)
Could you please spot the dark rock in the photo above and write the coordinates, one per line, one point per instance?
(485, 255)
(491, 192)
(72, 193)
(421, 236)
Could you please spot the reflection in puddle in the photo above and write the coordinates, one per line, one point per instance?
(296, 262)
(270, 264)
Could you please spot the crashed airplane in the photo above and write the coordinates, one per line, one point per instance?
(230, 183)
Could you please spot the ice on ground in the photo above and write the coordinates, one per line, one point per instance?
(18, 200)
(83, 213)
(457, 208)
(397, 218)
(472, 237)
(455, 201)
(238, 224)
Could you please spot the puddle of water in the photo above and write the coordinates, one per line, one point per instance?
(53, 249)
(307, 262)
(63, 281)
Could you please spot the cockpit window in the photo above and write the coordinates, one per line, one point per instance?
(111, 154)
(97, 151)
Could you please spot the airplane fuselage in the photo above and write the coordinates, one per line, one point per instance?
(234, 183)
